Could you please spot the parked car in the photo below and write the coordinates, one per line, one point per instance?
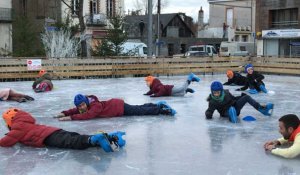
(198, 54)
(210, 50)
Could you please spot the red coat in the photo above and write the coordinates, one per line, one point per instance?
(158, 89)
(111, 108)
(24, 130)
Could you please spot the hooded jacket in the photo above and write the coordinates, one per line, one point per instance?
(26, 131)
(157, 89)
(45, 78)
(254, 80)
(98, 109)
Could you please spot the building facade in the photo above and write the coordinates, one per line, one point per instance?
(278, 27)
(232, 19)
(5, 28)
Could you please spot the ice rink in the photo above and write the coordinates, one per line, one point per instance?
(156, 145)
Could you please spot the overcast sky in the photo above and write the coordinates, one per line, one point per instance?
(189, 7)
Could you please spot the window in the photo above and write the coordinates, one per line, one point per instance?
(110, 8)
(224, 49)
(242, 48)
(284, 18)
(237, 37)
(245, 38)
(75, 7)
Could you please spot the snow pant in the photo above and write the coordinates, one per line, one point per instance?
(240, 103)
(145, 109)
(66, 139)
(180, 90)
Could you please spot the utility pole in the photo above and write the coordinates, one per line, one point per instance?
(158, 29)
(149, 28)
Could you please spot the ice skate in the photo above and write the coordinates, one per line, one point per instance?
(267, 109)
(102, 141)
(193, 77)
(232, 115)
(116, 138)
(263, 88)
(189, 90)
(252, 91)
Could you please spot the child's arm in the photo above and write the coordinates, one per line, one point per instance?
(70, 112)
(149, 92)
(210, 111)
(9, 140)
(259, 77)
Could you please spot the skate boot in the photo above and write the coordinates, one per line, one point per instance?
(189, 90)
(193, 77)
(102, 141)
(232, 115)
(263, 88)
(266, 109)
(116, 138)
(21, 100)
(252, 91)
(161, 104)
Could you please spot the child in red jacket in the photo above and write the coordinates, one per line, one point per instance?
(88, 107)
(157, 89)
(23, 129)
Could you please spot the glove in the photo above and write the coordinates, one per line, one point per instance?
(145, 94)
(238, 90)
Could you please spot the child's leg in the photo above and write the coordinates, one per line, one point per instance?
(145, 109)
(180, 90)
(66, 139)
(240, 103)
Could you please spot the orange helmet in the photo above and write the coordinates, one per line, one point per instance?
(42, 72)
(9, 115)
(229, 74)
(149, 79)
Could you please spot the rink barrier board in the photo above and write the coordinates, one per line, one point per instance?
(110, 67)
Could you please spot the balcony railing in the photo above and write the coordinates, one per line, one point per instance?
(96, 20)
(5, 14)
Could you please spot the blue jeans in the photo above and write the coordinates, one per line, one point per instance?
(240, 103)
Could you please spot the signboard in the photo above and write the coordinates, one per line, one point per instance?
(288, 33)
(35, 64)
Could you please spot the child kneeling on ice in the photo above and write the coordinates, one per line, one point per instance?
(157, 89)
(23, 129)
(254, 81)
(88, 107)
(230, 106)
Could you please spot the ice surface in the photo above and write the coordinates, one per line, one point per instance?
(184, 144)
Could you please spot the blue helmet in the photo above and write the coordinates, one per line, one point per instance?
(247, 67)
(79, 98)
(216, 86)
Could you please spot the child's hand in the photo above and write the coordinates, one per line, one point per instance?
(67, 118)
(59, 115)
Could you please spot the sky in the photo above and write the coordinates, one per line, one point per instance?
(189, 7)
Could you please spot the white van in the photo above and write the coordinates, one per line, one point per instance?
(210, 50)
(132, 48)
(236, 48)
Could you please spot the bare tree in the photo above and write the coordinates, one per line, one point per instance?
(142, 5)
(79, 12)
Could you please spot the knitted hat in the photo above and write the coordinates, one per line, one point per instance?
(42, 72)
(8, 115)
(229, 74)
(79, 98)
(216, 86)
(149, 79)
(248, 66)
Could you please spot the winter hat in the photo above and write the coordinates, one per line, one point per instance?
(229, 74)
(248, 66)
(42, 72)
(216, 86)
(79, 98)
(8, 115)
(149, 79)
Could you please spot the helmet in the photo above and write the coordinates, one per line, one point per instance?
(9, 115)
(216, 86)
(42, 72)
(149, 79)
(230, 74)
(248, 66)
(79, 98)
